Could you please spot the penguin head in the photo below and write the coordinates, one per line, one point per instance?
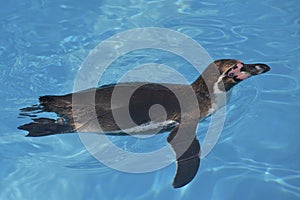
(231, 72)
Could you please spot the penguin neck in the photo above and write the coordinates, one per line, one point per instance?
(207, 89)
(201, 87)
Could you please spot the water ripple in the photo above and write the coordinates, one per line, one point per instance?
(43, 44)
(250, 170)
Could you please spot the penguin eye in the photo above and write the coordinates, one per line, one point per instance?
(231, 75)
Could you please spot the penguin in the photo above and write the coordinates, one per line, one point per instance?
(217, 79)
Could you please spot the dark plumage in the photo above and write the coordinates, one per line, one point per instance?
(218, 78)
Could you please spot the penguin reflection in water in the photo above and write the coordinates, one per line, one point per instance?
(217, 79)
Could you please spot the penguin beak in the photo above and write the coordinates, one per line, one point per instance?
(255, 69)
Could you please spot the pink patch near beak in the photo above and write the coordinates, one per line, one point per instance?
(238, 73)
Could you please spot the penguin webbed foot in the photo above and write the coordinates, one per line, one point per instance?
(45, 126)
(42, 126)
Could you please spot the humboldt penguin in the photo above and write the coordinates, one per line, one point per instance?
(77, 116)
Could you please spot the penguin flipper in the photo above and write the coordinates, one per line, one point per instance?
(187, 150)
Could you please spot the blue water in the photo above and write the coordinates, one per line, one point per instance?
(43, 43)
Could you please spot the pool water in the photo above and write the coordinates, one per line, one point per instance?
(43, 43)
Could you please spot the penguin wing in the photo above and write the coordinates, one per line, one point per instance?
(187, 150)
